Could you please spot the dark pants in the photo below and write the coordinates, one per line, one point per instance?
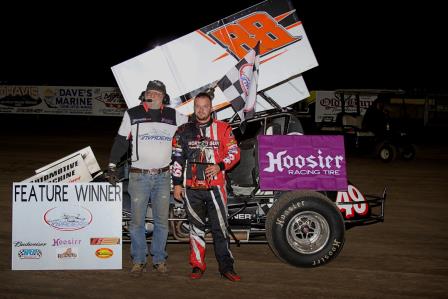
(211, 204)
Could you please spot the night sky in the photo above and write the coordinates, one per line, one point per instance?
(363, 44)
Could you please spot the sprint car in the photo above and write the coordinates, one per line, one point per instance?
(304, 228)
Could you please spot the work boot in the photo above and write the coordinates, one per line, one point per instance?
(231, 275)
(138, 269)
(161, 268)
(196, 273)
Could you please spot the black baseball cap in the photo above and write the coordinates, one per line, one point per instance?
(156, 85)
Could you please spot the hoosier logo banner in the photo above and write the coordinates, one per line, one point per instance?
(302, 162)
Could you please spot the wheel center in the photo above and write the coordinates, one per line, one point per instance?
(305, 229)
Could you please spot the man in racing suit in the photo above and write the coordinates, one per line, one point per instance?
(204, 149)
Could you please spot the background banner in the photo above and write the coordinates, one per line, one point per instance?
(328, 105)
(62, 100)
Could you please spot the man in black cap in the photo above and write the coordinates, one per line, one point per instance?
(148, 128)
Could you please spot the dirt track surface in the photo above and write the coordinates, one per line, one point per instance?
(404, 257)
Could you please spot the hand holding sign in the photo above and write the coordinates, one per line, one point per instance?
(112, 175)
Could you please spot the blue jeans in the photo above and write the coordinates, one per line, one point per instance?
(141, 188)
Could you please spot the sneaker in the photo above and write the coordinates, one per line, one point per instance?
(196, 273)
(231, 275)
(160, 268)
(138, 269)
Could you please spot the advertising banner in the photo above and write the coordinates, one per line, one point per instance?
(66, 226)
(62, 100)
(314, 162)
(328, 105)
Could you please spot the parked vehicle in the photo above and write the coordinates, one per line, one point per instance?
(374, 132)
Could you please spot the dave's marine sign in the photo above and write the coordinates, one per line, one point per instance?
(302, 162)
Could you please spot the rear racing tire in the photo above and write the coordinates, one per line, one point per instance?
(305, 229)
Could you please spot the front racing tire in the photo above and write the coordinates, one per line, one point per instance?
(305, 229)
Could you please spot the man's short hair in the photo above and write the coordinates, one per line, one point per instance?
(203, 95)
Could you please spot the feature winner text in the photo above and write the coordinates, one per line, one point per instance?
(67, 192)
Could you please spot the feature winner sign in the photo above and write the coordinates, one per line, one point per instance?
(66, 226)
(302, 162)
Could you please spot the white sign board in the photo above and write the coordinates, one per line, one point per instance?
(70, 170)
(77, 167)
(66, 226)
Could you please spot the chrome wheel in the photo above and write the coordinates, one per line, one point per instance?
(307, 232)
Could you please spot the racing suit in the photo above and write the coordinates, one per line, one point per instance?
(213, 143)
